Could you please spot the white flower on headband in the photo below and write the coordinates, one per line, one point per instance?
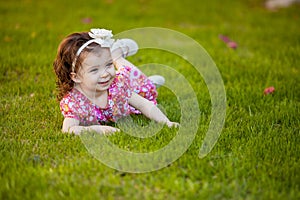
(102, 36)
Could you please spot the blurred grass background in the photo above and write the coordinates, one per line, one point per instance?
(257, 155)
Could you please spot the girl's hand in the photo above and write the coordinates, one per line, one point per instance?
(172, 124)
(150, 110)
(106, 130)
(71, 125)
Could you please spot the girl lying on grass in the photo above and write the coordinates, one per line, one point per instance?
(97, 85)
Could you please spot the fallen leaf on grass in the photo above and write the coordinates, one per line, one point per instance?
(274, 5)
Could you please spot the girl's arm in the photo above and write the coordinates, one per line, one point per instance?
(71, 125)
(150, 110)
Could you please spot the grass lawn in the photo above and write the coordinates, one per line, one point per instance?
(257, 154)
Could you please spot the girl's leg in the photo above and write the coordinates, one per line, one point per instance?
(120, 61)
(122, 48)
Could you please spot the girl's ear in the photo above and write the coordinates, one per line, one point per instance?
(75, 77)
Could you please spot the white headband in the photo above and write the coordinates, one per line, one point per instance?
(100, 36)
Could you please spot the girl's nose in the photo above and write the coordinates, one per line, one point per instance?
(104, 74)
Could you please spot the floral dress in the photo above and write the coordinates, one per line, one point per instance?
(128, 79)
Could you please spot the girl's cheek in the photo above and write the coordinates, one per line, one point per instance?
(113, 72)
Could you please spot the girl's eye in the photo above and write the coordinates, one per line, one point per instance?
(94, 70)
(109, 65)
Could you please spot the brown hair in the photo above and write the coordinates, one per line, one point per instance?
(62, 64)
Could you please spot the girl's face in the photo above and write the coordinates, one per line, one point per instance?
(96, 73)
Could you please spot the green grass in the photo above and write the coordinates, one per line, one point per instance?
(257, 154)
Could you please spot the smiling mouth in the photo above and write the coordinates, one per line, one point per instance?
(103, 82)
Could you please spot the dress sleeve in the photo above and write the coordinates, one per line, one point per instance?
(67, 107)
(124, 82)
(136, 81)
(140, 84)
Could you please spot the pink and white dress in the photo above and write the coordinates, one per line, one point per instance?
(128, 80)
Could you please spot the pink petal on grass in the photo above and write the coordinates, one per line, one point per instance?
(269, 90)
(86, 20)
(230, 44)
(224, 38)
